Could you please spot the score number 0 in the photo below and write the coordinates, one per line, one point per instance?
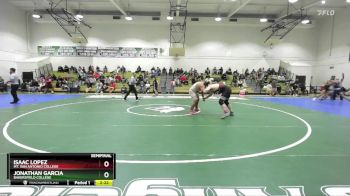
(106, 164)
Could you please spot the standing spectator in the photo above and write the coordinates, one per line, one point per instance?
(172, 86)
(155, 86)
(147, 87)
(48, 84)
(89, 83)
(274, 88)
(14, 82)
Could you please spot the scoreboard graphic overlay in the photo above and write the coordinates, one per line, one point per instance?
(80, 169)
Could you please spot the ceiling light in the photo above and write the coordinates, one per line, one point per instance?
(305, 21)
(347, 1)
(128, 18)
(292, 1)
(218, 19)
(263, 20)
(79, 16)
(35, 15)
(170, 18)
(323, 2)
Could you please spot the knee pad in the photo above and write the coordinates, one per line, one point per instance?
(221, 102)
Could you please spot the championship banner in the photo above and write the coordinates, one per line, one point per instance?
(92, 51)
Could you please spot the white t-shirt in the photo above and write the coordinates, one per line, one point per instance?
(14, 78)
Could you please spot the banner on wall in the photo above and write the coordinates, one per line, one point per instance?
(92, 51)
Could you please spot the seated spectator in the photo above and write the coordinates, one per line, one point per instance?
(253, 71)
(3, 86)
(99, 87)
(229, 71)
(240, 83)
(142, 85)
(123, 90)
(53, 77)
(97, 75)
(221, 71)
(60, 69)
(59, 82)
(281, 78)
(64, 85)
(118, 78)
(33, 86)
(103, 79)
(234, 81)
(267, 88)
(122, 69)
(71, 69)
(105, 69)
(24, 86)
(184, 79)
(107, 80)
(207, 71)
(193, 81)
(154, 74)
(138, 70)
(242, 77)
(91, 69)
(215, 71)
(246, 73)
(66, 68)
(224, 76)
(303, 90)
(74, 86)
(98, 69)
(112, 87)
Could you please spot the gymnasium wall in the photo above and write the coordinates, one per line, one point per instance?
(333, 47)
(229, 45)
(13, 37)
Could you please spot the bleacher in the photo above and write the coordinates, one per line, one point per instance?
(165, 81)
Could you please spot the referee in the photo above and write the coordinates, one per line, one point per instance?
(132, 88)
(14, 82)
